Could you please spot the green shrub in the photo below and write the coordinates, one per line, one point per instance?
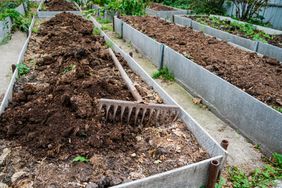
(164, 74)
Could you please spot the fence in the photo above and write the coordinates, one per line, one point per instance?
(272, 13)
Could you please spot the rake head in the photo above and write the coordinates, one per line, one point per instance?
(119, 110)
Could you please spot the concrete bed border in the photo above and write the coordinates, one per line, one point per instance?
(192, 175)
(256, 46)
(254, 119)
(166, 14)
(50, 14)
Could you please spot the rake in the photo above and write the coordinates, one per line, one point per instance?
(137, 109)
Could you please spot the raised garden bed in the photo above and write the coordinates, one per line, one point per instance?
(53, 116)
(258, 76)
(259, 39)
(164, 12)
(52, 7)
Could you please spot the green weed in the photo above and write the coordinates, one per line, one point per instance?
(35, 29)
(109, 44)
(69, 68)
(260, 177)
(96, 31)
(107, 27)
(103, 21)
(164, 74)
(279, 109)
(23, 69)
(80, 159)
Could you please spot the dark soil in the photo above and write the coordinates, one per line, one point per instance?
(60, 5)
(54, 117)
(160, 7)
(276, 41)
(259, 76)
(225, 25)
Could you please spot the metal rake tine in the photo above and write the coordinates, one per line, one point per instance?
(115, 111)
(150, 115)
(100, 107)
(137, 110)
(122, 112)
(129, 114)
(157, 115)
(107, 111)
(143, 115)
(176, 116)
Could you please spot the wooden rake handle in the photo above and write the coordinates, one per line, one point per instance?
(125, 77)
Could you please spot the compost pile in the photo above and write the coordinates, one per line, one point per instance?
(159, 7)
(261, 77)
(60, 5)
(54, 116)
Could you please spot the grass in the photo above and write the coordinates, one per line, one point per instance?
(260, 177)
(164, 74)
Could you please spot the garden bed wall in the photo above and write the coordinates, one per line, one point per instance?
(9, 92)
(256, 46)
(6, 24)
(5, 28)
(105, 14)
(257, 121)
(49, 14)
(166, 14)
(194, 175)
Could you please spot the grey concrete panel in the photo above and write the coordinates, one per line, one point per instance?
(49, 14)
(184, 21)
(5, 27)
(168, 15)
(9, 92)
(257, 121)
(149, 47)
(270, 50)
(191, 176)
(246, 43)
(118, 25)
(20, 9)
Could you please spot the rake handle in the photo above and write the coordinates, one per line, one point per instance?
(125, 77)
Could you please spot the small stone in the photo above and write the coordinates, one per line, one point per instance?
(196, 100)
(91, 185)
(157, 161)
(17, 175)
(133, 155)
(138, 138)
(3, 156)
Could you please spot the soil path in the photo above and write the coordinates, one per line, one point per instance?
(241, 153)
(9, 55)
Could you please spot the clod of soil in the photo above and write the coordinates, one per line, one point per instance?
(259, 76)
(60, 5)
(160, 7)
(53, 117)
